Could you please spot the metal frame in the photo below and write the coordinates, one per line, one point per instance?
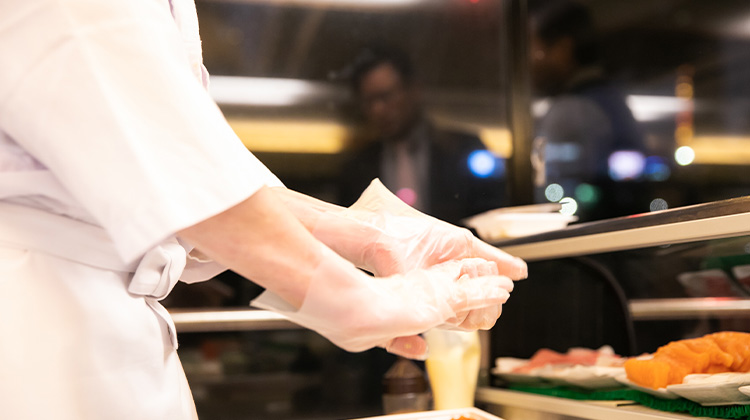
(515, 41)
(671, 233)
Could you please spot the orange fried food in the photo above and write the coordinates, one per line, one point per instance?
(738, 345)
(651, 373)
(712, 353)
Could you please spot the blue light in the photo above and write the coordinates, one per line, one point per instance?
(482, 163)
(656, 169)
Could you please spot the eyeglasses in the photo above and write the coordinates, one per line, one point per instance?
(386, 96)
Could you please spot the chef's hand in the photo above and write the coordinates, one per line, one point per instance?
(261, 240)
(385, 236)
(406, 239)
(357, 312)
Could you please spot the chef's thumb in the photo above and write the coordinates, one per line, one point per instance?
(411, 347)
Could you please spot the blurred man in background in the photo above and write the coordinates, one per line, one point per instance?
(427, 167)
(590, 136)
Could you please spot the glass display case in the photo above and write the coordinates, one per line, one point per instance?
(633, 283)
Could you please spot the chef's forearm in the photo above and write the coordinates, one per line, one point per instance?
(306, 209)
(263, 241)
(348, 236)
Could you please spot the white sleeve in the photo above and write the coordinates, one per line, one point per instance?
(102, 93)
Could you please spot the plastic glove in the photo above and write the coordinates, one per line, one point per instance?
(476, 319)
(357, 312)
(385, 236)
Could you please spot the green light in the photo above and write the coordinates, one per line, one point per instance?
(587, 193)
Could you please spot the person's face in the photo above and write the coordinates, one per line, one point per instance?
(388, 105)
(551, 64)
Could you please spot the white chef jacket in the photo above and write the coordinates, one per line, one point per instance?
(109, 144)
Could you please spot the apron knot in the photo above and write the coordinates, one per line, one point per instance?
(159, 270)
(156, 275)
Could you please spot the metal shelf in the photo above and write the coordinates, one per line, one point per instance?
(191, 320)
(639, 237)
(688, 308)
(513, 405)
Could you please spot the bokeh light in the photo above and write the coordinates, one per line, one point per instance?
(658, 204)
(684, 90)
(626, 165)
(656, 169)
(569, 206)
(482, 163)
(587, 193)
(407, 195)
(684, 155)
(554, 192)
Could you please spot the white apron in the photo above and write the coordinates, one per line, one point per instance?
(89, 206)
(85, 338)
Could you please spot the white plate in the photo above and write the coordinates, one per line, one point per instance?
(495, 225)
(507, 364)
(588, 377)
(583, 376)
(521, 378)
(661, 392)
(744, 389)
(470, 412)
(712, 390)
(504, 367)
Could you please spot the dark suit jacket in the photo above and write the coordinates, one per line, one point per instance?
(455, 193)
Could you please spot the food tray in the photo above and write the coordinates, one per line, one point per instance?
(469, 412)
(661, 392)
(504, 369)
(587, 377)
(714, 390)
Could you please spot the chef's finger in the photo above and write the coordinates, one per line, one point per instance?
(481, 319)
(480, 292)
(411, 347)
(508, 265)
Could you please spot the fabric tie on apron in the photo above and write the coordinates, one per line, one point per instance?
(153, 277)
(156, 275)
(159, 270)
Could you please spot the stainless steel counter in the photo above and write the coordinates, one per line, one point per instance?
(515, 405)
(194, 320)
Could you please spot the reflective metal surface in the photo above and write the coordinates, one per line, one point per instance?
(187, 320)
(655, 309)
